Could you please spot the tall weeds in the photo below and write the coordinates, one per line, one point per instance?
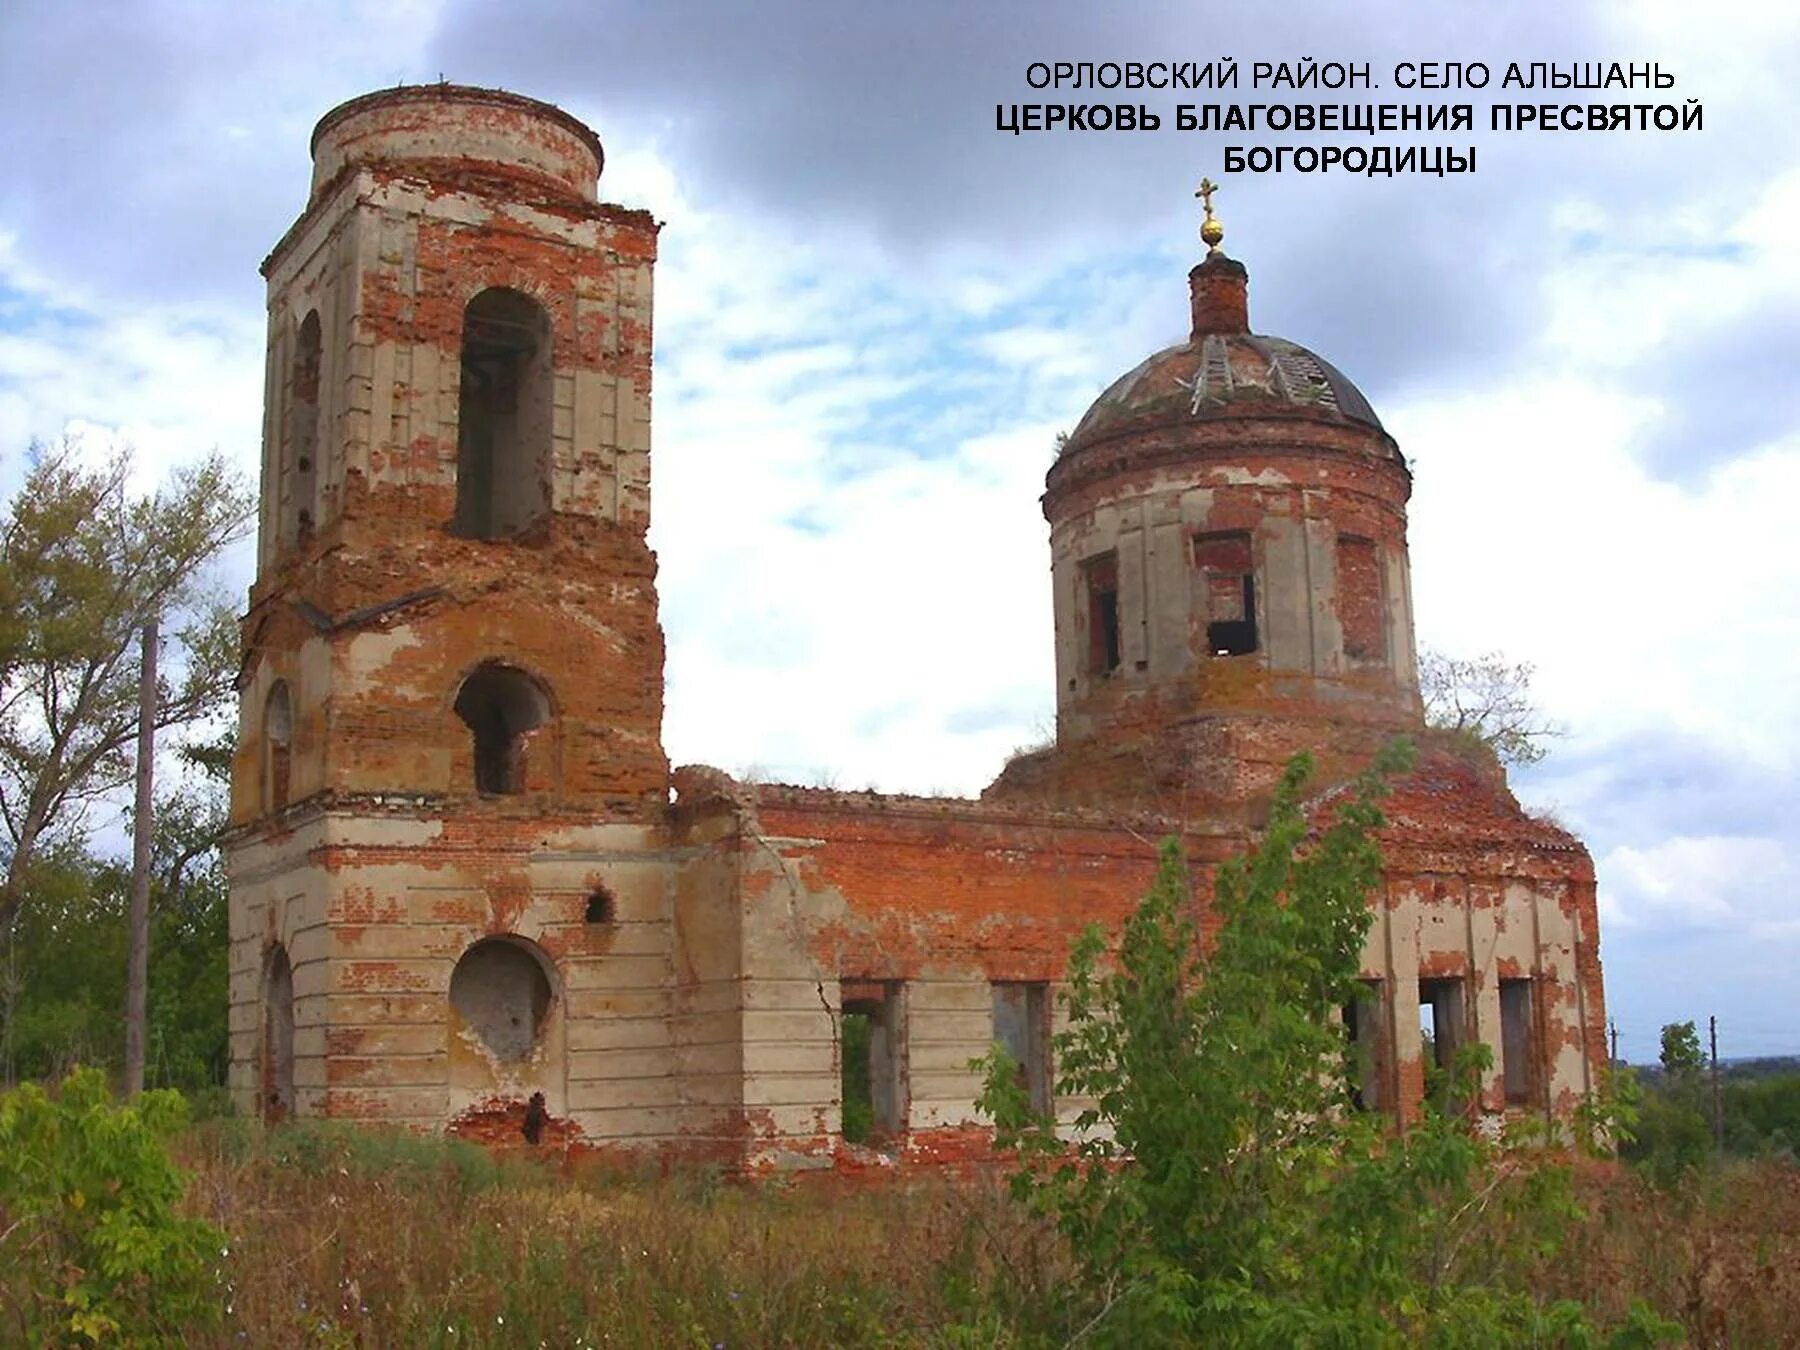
(340, 1237)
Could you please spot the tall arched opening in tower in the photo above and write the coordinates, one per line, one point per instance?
(302, 457)
(278, 1038)
(278, 736)
(503, 416)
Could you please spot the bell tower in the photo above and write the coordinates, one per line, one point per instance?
(451, 688)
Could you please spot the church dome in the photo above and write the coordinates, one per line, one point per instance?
(1222, 370)
(1223, 375)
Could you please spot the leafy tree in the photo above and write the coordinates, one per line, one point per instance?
(67, 964)
(1222, 1189)
(62, 980)
(1681, 1053)
(1673, 1136)
(1762, 1114)
(83, 565)
(1487, 698)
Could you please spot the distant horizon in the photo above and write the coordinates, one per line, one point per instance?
(1725, 1061)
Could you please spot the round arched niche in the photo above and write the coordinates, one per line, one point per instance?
(501, 991)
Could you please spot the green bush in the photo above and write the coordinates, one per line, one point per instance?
(1223, 1189)
(90, 1240)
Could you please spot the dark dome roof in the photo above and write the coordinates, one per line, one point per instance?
(1223, 375)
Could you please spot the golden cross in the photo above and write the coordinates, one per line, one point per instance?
(1204, 192)
(1211, 231)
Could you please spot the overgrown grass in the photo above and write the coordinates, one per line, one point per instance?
(348, 1237)
(344, 1237)
(1717, 1252)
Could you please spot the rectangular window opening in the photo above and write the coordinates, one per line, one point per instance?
(1101, 577)
(873, 1064)
(1022, 1025)
(1226, 567)
(1515, 1040)
(1441, 1027)
(1365, 1023)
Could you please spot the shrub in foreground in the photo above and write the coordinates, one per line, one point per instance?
(90, 1238)
(1223, 1189)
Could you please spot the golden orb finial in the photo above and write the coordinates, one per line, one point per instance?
(1212, 233)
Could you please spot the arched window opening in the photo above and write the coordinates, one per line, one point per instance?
(503, 416)
(277, 1100)
(278, 735)
(501, 991)
(303, 431)
(501, 706)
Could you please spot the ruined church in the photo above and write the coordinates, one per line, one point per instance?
(469, 894)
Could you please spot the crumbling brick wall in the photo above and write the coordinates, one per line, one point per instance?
(461, 895)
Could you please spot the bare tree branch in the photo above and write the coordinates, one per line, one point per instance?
(1489, 699)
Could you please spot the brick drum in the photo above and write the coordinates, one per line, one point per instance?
(469, 893)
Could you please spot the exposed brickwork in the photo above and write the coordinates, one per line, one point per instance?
(664, 957)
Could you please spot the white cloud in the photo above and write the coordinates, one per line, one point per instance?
(1642, 604)
(841, 589)
(1708, 880)
(1538, 525)
(172, 381)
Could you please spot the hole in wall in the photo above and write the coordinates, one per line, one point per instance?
(873, 1061)
(536, 1117)
(1365, 1029)
(1022, 1025)
(1227, 567)
(301, 435)
(601, 907)
(1100, 576)
(1516, 1055)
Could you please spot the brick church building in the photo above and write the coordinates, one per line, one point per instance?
(470, 894)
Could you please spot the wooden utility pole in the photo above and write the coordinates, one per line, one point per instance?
(137, 971)
(1712, 1033)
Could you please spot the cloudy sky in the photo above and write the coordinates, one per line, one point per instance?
(875, 312)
